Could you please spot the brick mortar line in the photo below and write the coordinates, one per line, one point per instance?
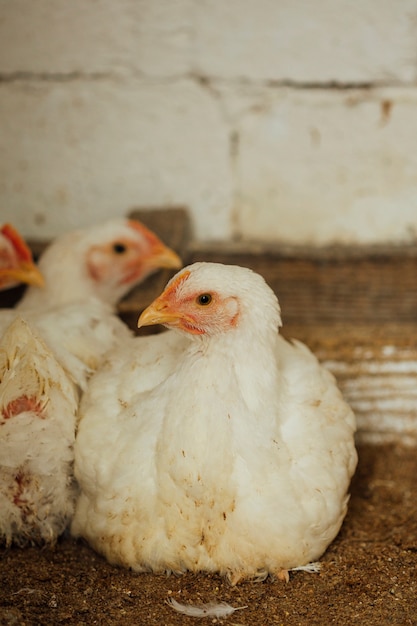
(207, 81)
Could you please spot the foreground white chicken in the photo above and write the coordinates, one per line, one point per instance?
(16, 261)
(71, 327)
(236, 457)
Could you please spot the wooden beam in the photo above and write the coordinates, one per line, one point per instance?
(355, 307)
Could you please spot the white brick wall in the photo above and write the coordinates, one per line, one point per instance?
(95, 36)
(82, 150)
(328, 165)
(230, 107)
(307, 40)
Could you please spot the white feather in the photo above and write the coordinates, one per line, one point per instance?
(312, 568)
(211, 609)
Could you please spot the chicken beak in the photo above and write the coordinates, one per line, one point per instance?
(159, 254)
(27, 272)
(158, 313)
(162, 256)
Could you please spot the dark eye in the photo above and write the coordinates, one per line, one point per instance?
(119, 248)
(204, 299)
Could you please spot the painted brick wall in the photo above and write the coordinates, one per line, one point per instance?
(285, 120)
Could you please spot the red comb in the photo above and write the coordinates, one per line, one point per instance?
(22, 249)
(176, 282)
(148, 234)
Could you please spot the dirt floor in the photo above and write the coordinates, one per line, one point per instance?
(368, 574)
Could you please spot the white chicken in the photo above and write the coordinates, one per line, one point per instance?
(231, 454)
(85, 273)
(16, 261)
(103, 261)
(37, 487)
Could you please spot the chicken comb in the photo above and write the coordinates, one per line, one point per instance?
(150, 236)
(22, 249)
(175, 283)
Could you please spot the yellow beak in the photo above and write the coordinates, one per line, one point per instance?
(26, 273)
(158, 313)
(162, 256)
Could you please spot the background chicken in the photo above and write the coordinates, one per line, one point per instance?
(238, 455)
(16, 261)
(86, 273)
(104, 261)
(62, 335)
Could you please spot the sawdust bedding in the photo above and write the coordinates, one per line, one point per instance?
(368, 574)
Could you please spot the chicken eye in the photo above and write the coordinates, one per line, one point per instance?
(204, 299)
(119, 248)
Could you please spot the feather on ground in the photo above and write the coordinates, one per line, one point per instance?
(211, 609)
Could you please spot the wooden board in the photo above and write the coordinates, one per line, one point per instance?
(356, 308)
(337, 284)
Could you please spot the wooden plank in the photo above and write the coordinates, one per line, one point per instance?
(329, 285)
(355, 307)
(376, 369)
